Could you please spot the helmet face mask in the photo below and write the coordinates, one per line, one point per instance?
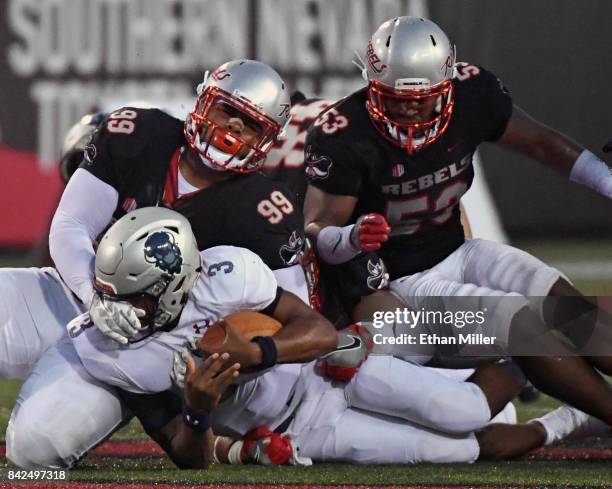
(410, 68)
(241, 110)
(150, 259)
(413, 118)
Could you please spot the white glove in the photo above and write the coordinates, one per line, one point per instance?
(179, 368)
(179, 365)
(118, 320)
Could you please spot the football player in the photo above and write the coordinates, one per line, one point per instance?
(150, 260)
(318, 423)
(142, 156)
(387, 167)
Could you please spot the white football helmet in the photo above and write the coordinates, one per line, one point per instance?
(409, 59)
(247, 90)
(150, 259)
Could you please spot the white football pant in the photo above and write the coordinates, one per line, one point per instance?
(488, 276)
(35, 307)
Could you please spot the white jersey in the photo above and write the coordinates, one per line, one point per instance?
(232, 279)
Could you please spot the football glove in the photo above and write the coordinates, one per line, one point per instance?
(354, 345)
(369, 232)
(264, 447)
(118, 320)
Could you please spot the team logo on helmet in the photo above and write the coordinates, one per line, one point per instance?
(379, 278)
(291, 252)
(161, 250)
(375, 62)
(317, 166)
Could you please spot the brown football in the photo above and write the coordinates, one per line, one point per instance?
(248, 323)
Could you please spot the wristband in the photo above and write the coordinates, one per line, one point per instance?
(268, 351)
(196, 420)
(592, 172)
(335, 246)
(234, 453)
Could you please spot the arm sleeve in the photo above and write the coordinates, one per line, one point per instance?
(234, 279)
(260, 289)
(85, 210)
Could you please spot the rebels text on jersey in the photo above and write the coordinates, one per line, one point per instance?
(136, 151)
(419, 193)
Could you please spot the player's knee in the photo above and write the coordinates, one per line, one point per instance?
(463, 411)
(27, 446)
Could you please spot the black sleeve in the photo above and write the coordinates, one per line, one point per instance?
(330, 164)
(116, 141)
(483, 104)
(154, 411)
(495, 105)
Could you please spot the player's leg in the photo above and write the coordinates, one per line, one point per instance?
(550, 294)
(61, 412)
(367, 438)
(518, 329)
(387, 385)
(588, 326)
(503, 441)
(35, 307)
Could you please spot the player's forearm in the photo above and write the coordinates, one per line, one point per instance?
(190, 449)
(84, 211)
(303, 339)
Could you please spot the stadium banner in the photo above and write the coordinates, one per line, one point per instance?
(62, 58)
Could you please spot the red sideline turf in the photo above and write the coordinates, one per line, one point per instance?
(112, 485)
(138, 449)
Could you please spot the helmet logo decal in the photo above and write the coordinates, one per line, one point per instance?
(374, 61)
(285, 111)
(447, 66)
(220, 74)
(161, 250)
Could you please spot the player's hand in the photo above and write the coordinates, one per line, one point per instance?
(354, 345)
(264, 447)
(369, 232)
(118, 320)
(204, 385)
(239, 349)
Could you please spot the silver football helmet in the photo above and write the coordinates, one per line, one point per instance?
(410, 61)
(255, 98)
(150, 259)
(77, 138)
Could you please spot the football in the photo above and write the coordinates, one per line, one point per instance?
(248, 323)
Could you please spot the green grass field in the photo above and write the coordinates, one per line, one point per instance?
(524, 472)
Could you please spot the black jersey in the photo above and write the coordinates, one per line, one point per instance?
(419, 193)
(285, 161)
(136, 151)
